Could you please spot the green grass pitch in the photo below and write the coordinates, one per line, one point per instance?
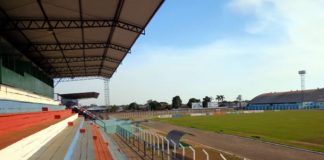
(303, 129)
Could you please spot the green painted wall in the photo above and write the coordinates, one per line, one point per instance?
(21, 74)
(26, 82)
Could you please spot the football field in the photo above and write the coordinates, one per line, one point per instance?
(302, 129)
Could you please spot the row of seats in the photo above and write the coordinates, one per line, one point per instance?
(281, 107)
(79, 141)
(84, 138)
(14, 127)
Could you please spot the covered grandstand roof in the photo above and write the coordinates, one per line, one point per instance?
(75, 38)
(313, 95)
(80, 95)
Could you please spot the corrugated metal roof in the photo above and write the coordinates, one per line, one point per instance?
(313, 95)
(75, 38)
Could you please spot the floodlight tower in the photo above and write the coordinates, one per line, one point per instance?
(302, 78)
(106, 91)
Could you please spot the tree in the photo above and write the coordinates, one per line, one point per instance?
(133, 106)
(176, 102)
(192, 100)
(154, 105)
(220, 98)
(205, 101)
(164, 105)
(114, 108)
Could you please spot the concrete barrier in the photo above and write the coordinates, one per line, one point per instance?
(26, 147)
(15, 94)
(197, 114)
(254, 111)
(165, 116)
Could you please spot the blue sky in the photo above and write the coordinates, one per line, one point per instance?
(229, 47)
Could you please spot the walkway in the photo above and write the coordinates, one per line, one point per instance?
(128, 151)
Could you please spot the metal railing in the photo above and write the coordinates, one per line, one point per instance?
(102, 124)
(146, 144)
(149, 145)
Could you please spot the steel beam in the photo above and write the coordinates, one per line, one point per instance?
(61, 80)
(112, 30)
(36, 24)
(81, 59)
(82, 34)
(74, 46)
(46, 20)
(81, 68)
(89, 74)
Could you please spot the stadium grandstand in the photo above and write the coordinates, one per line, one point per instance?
(43, 40)
(302, 99)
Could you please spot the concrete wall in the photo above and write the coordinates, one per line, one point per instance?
(9, 106)
(10, 93)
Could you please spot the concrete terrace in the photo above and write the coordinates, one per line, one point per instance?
(51, 135)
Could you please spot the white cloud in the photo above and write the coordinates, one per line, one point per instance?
(267, 17)
(245, 65)
(245, 5)
(301, 27)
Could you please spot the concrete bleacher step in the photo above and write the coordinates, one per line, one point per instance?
(100, 144)
(84, 148)
(67, 137)
(57, 148)
(14, 127)
(23, 137)
(82, 140)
